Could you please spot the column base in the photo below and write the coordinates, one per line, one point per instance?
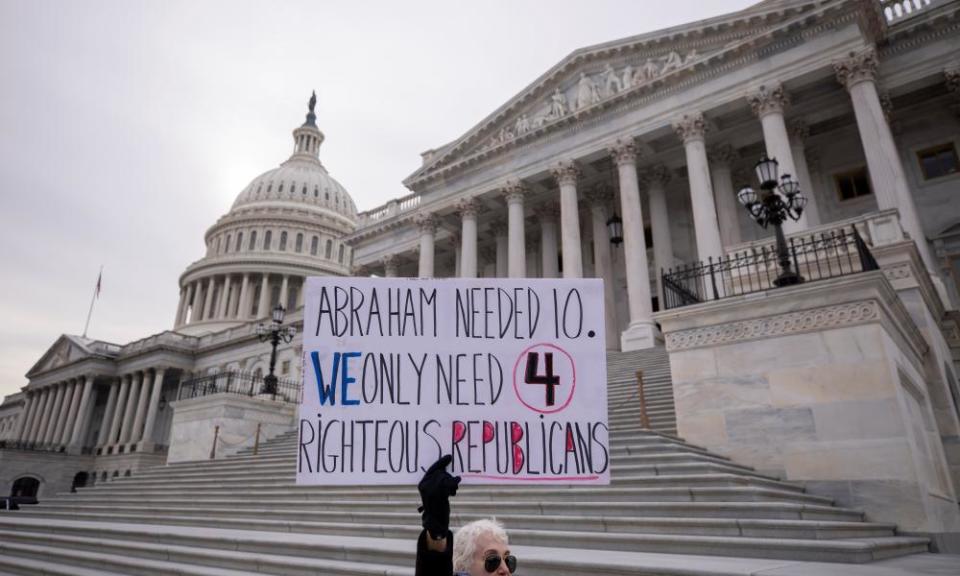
(639, 336)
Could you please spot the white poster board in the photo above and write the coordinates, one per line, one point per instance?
(507, 375)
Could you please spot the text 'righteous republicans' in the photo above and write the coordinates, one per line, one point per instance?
(507, 376)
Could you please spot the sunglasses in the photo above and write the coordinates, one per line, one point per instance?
(492, 562)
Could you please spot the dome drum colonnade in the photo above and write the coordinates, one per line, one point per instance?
(287, 224)
(711, 189)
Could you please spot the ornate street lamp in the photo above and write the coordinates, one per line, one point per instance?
(274, 333)
(615, 229)
(769, 207)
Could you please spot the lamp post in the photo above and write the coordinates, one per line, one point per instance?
(615, 229)
(770, 208)
(274, 333)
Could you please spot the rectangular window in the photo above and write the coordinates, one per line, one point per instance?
(285, 368)
(853, 184)
(938, 161)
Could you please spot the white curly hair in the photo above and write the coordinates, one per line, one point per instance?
(466, 538)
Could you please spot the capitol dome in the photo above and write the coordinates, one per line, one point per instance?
(287, 224)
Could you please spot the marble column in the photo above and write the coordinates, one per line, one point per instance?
(243, 304)
(146, 438)
(64, 413)
(427, 224)
(567, 173)
(721, 159)
(180, 306)
(263, 307)
(44, 395)
(768, 104)
(641, 332)
(858, 74)
(29, 403)
(117, 420)
(77, 385)
(51, 426)
(285, 291)
(390, 265)
(656, 179)
(517, 234)
(599, 198)
(47, 414)
(533, 257)
(84, 413)
(187, 300)
(225, 297)
(129, 411)
(499, 232)
(799, 131)
(691, 129)
(468, 208)
(141, 414)
(107, 422)
(549, 257)
(208, 300)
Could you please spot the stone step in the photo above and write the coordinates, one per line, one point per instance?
(406, 524)
(700, 509)
(230, 549)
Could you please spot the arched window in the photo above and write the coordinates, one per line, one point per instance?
(79, 481)
(226, 245)
(299, 246)
(328, 252)
(283, 240)
(253, 241)
(340, 255)
(304, 189)
(26, 487)
(316, 192)
(239, 242)
(314, 245)
(267, 239)
(280, 189)
(327, 195)
(269, 187)
(259, 190)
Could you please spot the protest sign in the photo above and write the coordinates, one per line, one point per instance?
(506, 375)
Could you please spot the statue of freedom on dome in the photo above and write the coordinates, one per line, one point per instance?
(313, 101)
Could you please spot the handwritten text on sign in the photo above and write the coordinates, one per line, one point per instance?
(508, 376)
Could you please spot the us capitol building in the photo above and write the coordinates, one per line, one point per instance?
(857, 100)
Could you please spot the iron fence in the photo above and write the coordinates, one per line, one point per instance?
(240, 384)
(816, 257)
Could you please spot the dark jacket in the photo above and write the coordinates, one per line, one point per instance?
(430, 563)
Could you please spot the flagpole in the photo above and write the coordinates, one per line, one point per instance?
(96, 291)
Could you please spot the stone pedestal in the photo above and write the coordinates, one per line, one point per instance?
(822, 383)
(196, 422)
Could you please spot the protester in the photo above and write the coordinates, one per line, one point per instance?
(480, 548)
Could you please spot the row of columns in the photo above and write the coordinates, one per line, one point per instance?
(712, 195)
(131, 412)
(57, 416)
(232, 303)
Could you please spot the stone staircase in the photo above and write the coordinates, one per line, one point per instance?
(244, 515)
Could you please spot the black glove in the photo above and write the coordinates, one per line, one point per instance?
(436, 488)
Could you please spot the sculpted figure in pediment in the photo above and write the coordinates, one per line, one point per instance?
(558, 105)
(691, 57)
(673, 61)
(628, 80)
(649, 70)
(612, 83)
(587, 92)
(522, 125)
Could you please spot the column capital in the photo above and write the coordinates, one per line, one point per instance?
(547, 211)
(514, 191)
(799, 130)
(656, 174)
(390, 260)
(624, 151)
(691, 127)
(722, 155)
(566, 172)
(498, 228)
(858, 67)
(427, 222)
(468, 207)
(768, 100)
(599, 195)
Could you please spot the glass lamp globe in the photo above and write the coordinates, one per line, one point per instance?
(615, 229)
(747, 196)
(767, 169)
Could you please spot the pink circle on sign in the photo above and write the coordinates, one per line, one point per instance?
(573, 378)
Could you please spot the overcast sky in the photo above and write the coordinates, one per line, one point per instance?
(127, 128)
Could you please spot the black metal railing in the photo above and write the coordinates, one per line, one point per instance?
(239, 384)
(816, 257)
